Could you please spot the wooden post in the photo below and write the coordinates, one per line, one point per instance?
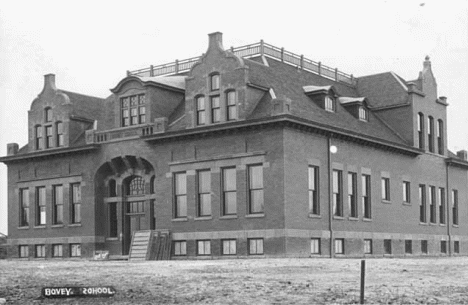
(363, 279)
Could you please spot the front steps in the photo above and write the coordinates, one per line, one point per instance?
(150, 245)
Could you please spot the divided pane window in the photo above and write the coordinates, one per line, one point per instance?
(406, 192)
(432, 204)
(455, 206)
(75, 250)
(363, 114)
(38, 131)
(203, 247)
(75, 202)
(215, 109)
(113, 231)
(136, 207)
(387, 246)
(133, 110)
(48, 114)
(229, 247)
(441, 205)
(214, 82)
(430, 133)
(40, 251)
(352, 195)
(337, 193)
(422, 203)
(229, 191)
(180, 248)
(23, 251)
(256, 203)
(49, 137)
(57, 250)
(204, 192)
(231, 111)
(57, 204)
(180, 191)
(136, 186)
(315, 246)
(408, 246)
(255, 246)
(420, 130)
(59, 127)
(367, 246)
(201, 114)
(330, 104)
(440, 136)
(314, 205)
(386, 189)
(40, 205)
(366, 196)
(24, 207)
(339, 246)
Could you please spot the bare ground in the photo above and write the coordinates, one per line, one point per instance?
(254, 281)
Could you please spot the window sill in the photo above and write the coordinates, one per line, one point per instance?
(338, 217)
(23, 228)
(74, 225)
(422, 224)
(386, 201)
(353, 218)
(367, 219)
(315, 216)
(228, 217)
(57, 226)
(433, 224)
(407, 203)
(254, 215)
(39, 227)
(179, 219)
(455, 226)
(112, 239)
(442, 224)
(203, 218)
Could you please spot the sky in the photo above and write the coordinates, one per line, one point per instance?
(89, 46)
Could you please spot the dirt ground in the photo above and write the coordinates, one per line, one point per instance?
(241, 281)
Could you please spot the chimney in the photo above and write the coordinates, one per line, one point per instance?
(443, 99)
(427, 63)
(215, 40)
(462, 154)
(49, 81)
(12, 149)
(411, 86)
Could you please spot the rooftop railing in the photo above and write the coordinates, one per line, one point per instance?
(252, 50)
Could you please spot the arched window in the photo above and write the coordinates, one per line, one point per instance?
(440, 136)
(214, 82)
(231, 109)
(430, 133)
(136, 186)
(112, 188)
(48, 114)
(421, 130)
(59, 134)
(152, 185)
(38, 136)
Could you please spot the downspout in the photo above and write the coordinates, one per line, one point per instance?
(448, 208)
(330, 196)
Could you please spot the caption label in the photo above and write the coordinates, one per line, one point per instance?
(70, 292)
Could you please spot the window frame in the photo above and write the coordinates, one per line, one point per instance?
(41, 206)
(254, 189)
(315, 246)
(368, 246)
(255, 250)
(337, 190)
(430, 134)
(57, 247)
(48, 114)
(229, 242)
(455, 211)
(178, 204)
(228, 191)
(205, 242)
(385, 188)
(330, 103)
(421, 130)
(366, 196)
(440, 137)
(204, 207)
(456, 246)
(408, 246)
(215, 105)
(180, 247)
(215, 81)
(59, 134)
(443, 246)
(363, 114)
(432, 204)
(133, 110)
(387, 246)
(39, 136)
(200, 106)
(49, 133)
(25, 253)
(313, 174)
(442, 205)
(422, 203)
(57, 204)
(231, 104)
(75, 250)
(352, 195)
(39, 251)
(339, 246)
(424, 247)
(24, 207)
(75, 203)
(406, 185)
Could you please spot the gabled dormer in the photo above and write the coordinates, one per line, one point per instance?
(324, 96)
(357, 106)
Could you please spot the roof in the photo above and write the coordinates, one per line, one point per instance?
(316, 89)
(172, 81)
(348, 100)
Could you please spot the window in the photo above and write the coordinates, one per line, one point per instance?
(40, 206)
(367, 246)
(314, 205)
(180, 185)
(363, 114)
(203, 247)
(23, 251)
(201, 114)
(256, 204)
(422, 203)
(24, 207)
(430, 133)
(255, 246)
(113, 219)
(443, 246)
(330, 104)
(408, 246)
(421, 130)
(49, 137)
(337, 193)
(152, 185)
(339, 246)
(204, 192)
(406, 192)
(315, 246)
(441, 205)
(231, 109)
(424, 246)
(352, 195)
(386, 189)
(133, 110)
(38, 137)
(215, 109)
(112, 188)
(136, 207)
(455, 206)
(40, 251)
(432, 204)
(229, 247)
(75, 250)
(440, 137)
(180, 248)
(75, 203)
(214, 80)
(456, 246)
(229, 191)
(48, 114)
(57, 250)
(136, 186)
(57, 204)
(59, 131)
(387, 246)
(366, 196)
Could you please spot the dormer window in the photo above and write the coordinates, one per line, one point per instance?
(330, 104)
(133, 110)
(363, 114)
(214, 80)
(48, 114)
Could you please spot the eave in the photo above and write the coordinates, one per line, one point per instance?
(457, 163)
(48, 153)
